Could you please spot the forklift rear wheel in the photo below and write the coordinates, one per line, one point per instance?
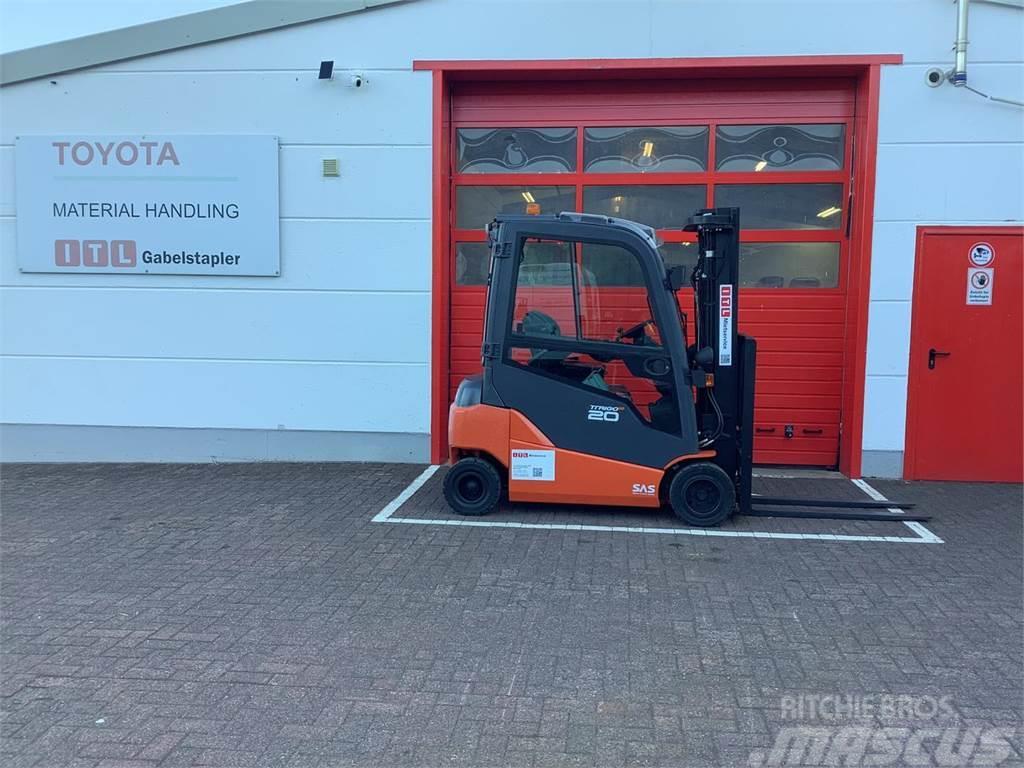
(472, 486)
(702, 494)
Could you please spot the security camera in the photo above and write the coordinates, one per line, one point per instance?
(935, 77)
(357, 81)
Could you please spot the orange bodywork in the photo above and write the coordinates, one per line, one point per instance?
(579, 478)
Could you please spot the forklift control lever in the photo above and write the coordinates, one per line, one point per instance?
(634, 332)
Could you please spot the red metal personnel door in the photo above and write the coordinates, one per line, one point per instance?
(964, 409)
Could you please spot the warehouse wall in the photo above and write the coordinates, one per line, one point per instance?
(332, 359)
(945, 156)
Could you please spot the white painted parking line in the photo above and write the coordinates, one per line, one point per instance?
(916, 527)
(404, 496)
(386, 516)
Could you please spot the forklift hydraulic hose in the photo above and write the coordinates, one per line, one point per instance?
(718, 416)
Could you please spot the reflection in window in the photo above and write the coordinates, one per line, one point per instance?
(789, 265)
(516, 150)
(544, 302)
(645, 150)
(784, 206)
(657, 205)
(679, 255)
(608, 266)
(475, 207)
(472, 261)
(546, 262)
(617, 299)
(779, 147)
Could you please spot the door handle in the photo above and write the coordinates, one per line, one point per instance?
(932, 354)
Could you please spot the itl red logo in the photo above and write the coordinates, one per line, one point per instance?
(725, 300)
(94, 253)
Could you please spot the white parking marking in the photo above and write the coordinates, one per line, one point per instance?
(385, 516)
(916, 527)
(404, 496)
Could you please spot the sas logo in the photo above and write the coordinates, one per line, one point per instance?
(604, 412)
(644, 489)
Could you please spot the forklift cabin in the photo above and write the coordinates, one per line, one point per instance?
(598, 389)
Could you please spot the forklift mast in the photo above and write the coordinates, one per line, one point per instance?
(725, 405)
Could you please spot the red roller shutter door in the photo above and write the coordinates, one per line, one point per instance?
(780, 149)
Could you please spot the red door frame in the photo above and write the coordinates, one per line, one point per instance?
(916, 340)
(867, 71)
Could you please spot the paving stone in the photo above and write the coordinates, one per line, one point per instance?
(253, 615)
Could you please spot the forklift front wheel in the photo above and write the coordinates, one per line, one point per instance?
(472, 486)
(702, 494)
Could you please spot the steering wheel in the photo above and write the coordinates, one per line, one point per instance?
(634, 332)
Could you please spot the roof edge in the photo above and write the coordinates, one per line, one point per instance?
(170, 34)
(841, 61)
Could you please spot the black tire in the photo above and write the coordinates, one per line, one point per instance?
(472, 486)
(702, 494)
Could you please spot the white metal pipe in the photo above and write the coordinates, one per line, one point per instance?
(959, 74)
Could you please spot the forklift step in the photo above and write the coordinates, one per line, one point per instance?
(878, 517)
(830, 503)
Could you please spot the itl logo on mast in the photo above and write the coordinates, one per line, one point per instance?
(725, 320)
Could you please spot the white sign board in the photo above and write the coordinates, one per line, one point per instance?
(533, 465)
(979, 286)
(140, 204)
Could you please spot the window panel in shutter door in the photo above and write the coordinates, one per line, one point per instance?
(779, 147)
(516, 150)
(655, 149)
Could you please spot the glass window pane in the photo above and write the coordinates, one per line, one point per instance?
(789, 265)
(679, 255)
(661, 206)
(784, 206)
(516, 150)
(779, 147)
(544, 290)
(614, 296)
(645, 150)
(603, 265)
(472, 261)
(475, 207)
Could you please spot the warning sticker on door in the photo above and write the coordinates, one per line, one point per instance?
(979, 286)
(726, 310)
(533, 465)
(982, 254)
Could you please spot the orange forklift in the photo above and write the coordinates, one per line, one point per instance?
(595, 390)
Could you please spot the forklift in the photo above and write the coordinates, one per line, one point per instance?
(595, 390)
